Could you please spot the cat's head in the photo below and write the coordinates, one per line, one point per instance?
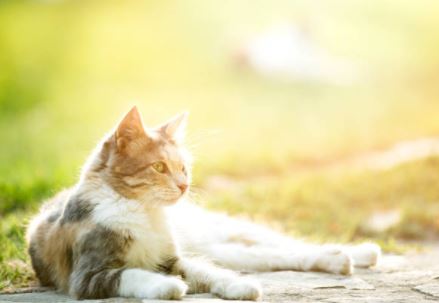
(146, 164)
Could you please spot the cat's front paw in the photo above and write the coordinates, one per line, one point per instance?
(334, 260)
(238, 289)
(168, 289)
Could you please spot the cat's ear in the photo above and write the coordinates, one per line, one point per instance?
(175, 127)
(129, 128)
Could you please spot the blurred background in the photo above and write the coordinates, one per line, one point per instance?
(320, 118)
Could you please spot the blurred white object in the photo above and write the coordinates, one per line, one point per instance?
(382, 221)
(285, 51)
(402, 152)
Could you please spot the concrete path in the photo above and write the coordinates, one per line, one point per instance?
(410, 278)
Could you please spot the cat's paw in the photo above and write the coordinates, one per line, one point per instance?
(238, 289)
(168, 289)
(366, 254)
(334, 260)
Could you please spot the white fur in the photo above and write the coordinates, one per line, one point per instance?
(238, 289)
(143, 284)
(147, 226)
(222, 282)
(365, 255)
(235, 244)
(153, 240)
(242, 245)
(332, 259)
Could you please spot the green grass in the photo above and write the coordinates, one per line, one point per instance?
(70, 69)
(15, 270)
(332, 206)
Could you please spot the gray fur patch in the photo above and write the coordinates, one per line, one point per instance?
(98, 264)
(40, 268)
(77, 209)
(54, 216)
(167, 266)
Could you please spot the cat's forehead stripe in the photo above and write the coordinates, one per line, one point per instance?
(172, 154)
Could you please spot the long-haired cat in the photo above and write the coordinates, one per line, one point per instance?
(126, 230)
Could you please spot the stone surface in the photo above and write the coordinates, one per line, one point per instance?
(410, 278)
(431, 289)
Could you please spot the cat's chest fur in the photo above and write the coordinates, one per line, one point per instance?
(148, 231)
(151, 245)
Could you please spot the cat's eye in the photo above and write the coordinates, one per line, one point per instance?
(159, 167)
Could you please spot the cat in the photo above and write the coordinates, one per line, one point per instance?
(126, 229)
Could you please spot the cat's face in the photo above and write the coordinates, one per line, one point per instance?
(148, 165)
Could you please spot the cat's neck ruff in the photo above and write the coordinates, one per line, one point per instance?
(116, 212)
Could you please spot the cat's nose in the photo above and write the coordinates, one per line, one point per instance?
(183, 187)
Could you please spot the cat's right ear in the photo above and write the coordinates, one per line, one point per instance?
(130, 128)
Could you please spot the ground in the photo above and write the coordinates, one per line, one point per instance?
(408, 278)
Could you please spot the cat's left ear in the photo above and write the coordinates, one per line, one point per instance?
(175, 128)
(129, 129)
